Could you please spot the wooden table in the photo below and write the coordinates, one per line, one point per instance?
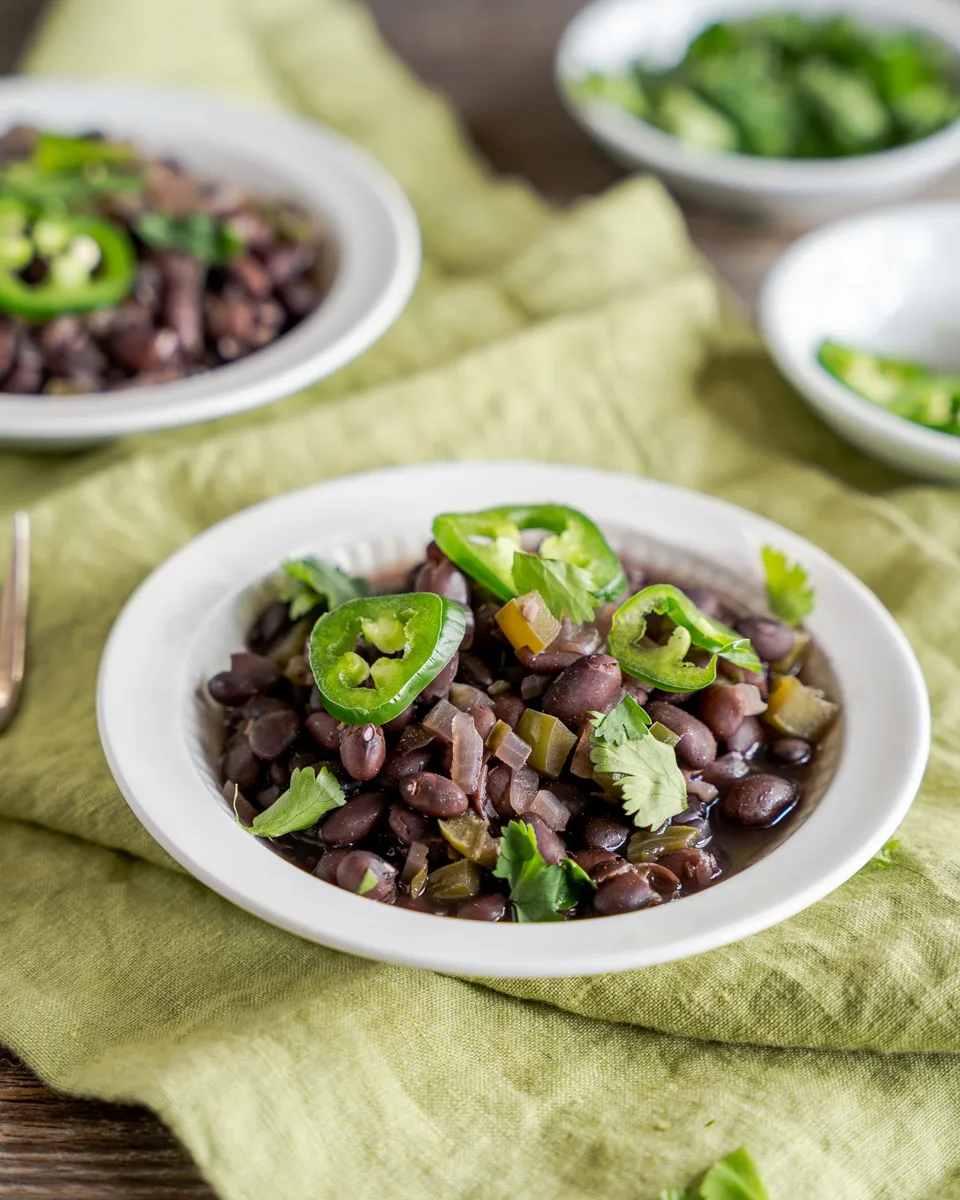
(493, 59)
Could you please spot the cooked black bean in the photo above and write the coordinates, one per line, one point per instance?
(399, 723)
(760, 799)
(547, 662)
(325, 730)
(483, 908)
(269, 795)
(695, 868)
(355, 820)
(549, 843)
(438, 574)
(771, 639)
(747, 738)
(584, 687)
(602, 833)
(509, 708)
(439, 689)
(433, 795)
(363, 750)
(406, 825)
(474, 670)
(326, 868)
(400, 764)
(273, 733)
(182, 302)
(367, 874)
(241, 806)
(697, 745)
(626, 892)
(722, 710)
(591, 860)
(240, 765)
(726, 770)
(792, 751)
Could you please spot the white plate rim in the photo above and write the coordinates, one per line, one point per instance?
(153, 768)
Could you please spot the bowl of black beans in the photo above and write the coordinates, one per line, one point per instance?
(469, 742)
(156, 271)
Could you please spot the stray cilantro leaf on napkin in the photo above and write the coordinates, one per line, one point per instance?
(309, 797)
(788, 588)
(644, 768)
(200, 235)
(884, 856)
(732, 1178)
(313, 583)
(538, 890)
(564, 587)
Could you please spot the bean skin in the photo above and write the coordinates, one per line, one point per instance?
(722, 710)
(627, 892)
(771, 639)
(760, 799)
(274, 732)
(694, 868)
(363, 751)
(433, 795)
(483, 908)
(795, 752)
(697, 745)
(355, 820)
(549, 843)
(587, 686)
(352, 870)
(600, 833)
(325, 730)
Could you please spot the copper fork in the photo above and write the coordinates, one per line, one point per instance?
(13, 619)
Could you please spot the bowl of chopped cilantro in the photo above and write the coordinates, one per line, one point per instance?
(167, 258)
(794, 111)
(589, 723)
(862, 317)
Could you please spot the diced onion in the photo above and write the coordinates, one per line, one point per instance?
(440, 718)
(550, 809)
(467, 754)
(581, 764)
(484, 719)
(509, 748)
(754, 703)
(524, 785)
(534, 685)
(466, 697)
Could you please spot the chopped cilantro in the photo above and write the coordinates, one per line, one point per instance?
(313, 583)
(200, 235)
(539, 891)
(309, 797)
(564, 587)
(644, 769)
(788, 588)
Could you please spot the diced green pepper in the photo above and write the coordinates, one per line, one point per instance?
(458, 881)
(469, 834)
(648, 847)
(796, 710)
(550, 741)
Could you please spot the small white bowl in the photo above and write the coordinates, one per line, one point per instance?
(887, 282)
(608, 35)
(278, 155)
(161, 733)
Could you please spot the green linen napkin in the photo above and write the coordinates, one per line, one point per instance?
(828, 1044)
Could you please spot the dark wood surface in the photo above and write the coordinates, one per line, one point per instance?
(493, 60)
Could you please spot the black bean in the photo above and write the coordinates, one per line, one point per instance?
(793, 751)
(626, 892)
(474, 670)
(299, 296)
(8, 346)
(697, 745)
(145, 349)
(406, 825)
(289, 260)
(586, 686)
(240, 765)
(182, 306)
(433, 795)
(26, 375)
(439, 575)
(590, 860)
(251, 275)
(483, 908)
(248, 675)
(747, 738)
(325, 730)
(363, 750)
(399, 723)
(439, 689)
(239, 804)
(695, 868)
(326, 868)
(771, 639)
(401, 764)
(509, 708)
(547, 662)
(273, 733)
(352, 875)
(760, 799)
(722, 710)
(279, 774)
(268, 796)
(602, 833)
(726, 770)
(355, 820)
(549, 843)
(498, 791)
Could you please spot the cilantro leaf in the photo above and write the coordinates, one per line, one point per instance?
(309, 797)
(884, 856)
(538, 891)
(200, 235)
(628, 720)
(644, 769)
(732, 1178)
(788, 588)
(313, 583)
(564, 587)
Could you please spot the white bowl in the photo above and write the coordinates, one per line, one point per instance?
(277, 155)
(160, 732)
(610, 34)
(887, 282)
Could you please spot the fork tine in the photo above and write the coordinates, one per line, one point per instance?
(13, 619)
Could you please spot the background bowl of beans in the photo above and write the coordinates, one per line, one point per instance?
(168, 258)
(181, 626)
(795, 110)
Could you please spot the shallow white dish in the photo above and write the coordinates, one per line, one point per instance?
(276, 154)
(610, 34)
(180, 626)
(887, 282)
